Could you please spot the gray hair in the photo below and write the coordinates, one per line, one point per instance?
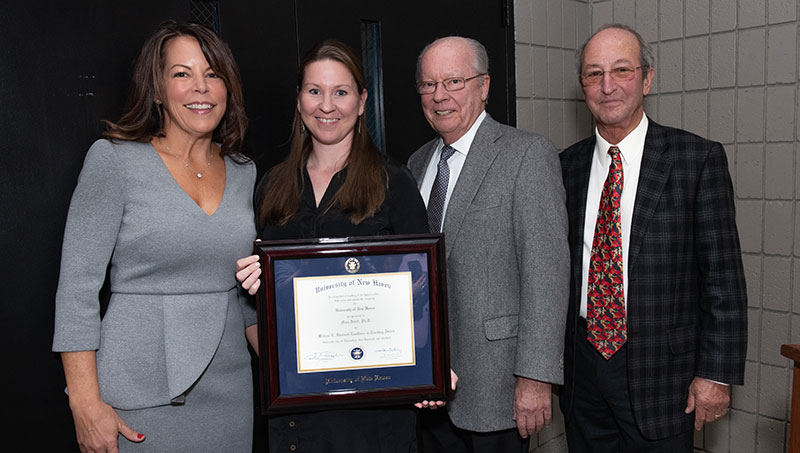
(480, 59)
(645, 51)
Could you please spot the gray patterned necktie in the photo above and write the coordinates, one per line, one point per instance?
(439, 191)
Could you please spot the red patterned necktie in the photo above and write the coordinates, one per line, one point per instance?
(605, 307)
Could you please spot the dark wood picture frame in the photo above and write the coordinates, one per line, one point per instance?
(433, 368)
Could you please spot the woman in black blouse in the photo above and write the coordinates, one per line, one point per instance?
(335, 183)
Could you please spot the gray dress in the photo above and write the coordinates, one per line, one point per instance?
(172, 358)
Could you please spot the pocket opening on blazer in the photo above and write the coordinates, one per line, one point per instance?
(682, 339)
(478, 205)
(501, 327)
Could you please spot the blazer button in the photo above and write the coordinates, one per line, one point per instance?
(292, 447)
(291, 424)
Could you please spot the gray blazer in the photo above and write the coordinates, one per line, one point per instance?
(507, 270)
(171, 273)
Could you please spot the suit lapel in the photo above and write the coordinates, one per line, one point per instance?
(656, 165)
(481, 154)
(576, 180)
(419, 166)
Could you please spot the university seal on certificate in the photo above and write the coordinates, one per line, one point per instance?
(352, 265)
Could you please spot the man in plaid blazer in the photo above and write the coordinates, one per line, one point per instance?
(684, 288)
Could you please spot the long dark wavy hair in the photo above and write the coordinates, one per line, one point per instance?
(364, 187)
(144, 118)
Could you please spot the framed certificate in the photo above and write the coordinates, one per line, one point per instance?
(358, 321)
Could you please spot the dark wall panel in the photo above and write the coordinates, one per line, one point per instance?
(65, 66)
(263, 38)
(406, 27)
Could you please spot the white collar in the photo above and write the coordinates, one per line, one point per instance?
(631, 147)
(463, 144)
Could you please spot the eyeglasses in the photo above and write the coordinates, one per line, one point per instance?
(451, 84)
(622, 74)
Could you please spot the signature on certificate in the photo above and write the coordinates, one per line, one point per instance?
(389, 353)
(323, 356)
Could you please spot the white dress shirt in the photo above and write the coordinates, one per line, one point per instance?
(631, 149)
(456, 162)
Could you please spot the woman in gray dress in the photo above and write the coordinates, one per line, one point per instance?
(164, 203)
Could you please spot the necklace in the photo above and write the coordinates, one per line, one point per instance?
(199, 174)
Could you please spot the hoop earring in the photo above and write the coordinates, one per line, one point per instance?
(302, 128)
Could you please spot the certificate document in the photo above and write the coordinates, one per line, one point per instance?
(354, 321)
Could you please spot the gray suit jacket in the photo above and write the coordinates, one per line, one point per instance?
(507, 271)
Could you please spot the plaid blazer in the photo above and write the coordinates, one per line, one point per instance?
(687, 303)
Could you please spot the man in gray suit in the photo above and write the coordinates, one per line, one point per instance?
(496, 193)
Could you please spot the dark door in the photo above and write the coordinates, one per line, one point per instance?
(269, 54)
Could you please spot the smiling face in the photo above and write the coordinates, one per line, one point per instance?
(195, 97)
(452, 113)
(616, 106)
(329, 103)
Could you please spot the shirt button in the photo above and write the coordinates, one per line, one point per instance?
(292, 447)
(291, 424)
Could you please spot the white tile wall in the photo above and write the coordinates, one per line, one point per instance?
(727, 70)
